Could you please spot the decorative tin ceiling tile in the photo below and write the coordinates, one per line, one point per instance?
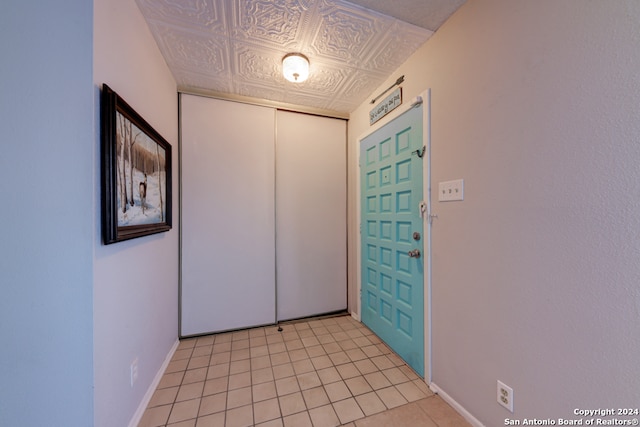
(256, 65)
(357, 86)
(345, 34)
(272, 93)
(326, 78)
(269, 21)
(236, 47)
(205, 82)
(199, 15)
(387, 56)
(188, 50)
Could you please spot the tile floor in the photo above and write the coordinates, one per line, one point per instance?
(317, 373)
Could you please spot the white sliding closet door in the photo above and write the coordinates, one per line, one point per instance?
(311, 215)
(227, 215)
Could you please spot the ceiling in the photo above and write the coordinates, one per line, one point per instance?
(234, 48)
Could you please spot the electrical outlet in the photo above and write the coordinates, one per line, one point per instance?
(505, 395)
(449, 191)
(133, 369)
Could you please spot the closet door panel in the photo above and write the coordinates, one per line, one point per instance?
(227, 215)
(311, 212)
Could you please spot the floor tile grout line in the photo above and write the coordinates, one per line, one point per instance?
(357, 332)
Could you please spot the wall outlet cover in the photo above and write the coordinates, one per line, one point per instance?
(505, 396)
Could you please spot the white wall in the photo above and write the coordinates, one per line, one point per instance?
(46, 214)
(135, 282)
(535, 274)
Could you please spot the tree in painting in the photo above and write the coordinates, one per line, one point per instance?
(141, 176)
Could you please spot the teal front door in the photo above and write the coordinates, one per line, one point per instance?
(392, 236)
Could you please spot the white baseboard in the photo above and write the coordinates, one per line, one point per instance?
(459, 408)
(355, 316)
(152, 388)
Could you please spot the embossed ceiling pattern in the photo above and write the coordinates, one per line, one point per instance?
(236, 47)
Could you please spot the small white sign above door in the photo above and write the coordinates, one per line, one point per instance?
(390, 103)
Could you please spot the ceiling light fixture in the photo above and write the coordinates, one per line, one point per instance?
(295, 67)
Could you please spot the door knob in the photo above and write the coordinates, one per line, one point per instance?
(414, 253)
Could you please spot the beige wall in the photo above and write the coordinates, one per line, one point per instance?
(536, 273)
(135, 282)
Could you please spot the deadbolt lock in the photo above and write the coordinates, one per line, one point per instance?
(416, 235)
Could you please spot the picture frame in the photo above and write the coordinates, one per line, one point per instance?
(136, 173)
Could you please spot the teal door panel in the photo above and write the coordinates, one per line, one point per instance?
(392, 235)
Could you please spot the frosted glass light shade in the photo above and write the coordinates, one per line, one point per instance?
(295, 67)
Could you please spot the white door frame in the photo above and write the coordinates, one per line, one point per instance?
(425, 99)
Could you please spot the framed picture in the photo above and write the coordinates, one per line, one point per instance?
(136, 173)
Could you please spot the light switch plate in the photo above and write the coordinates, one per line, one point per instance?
(449, 191)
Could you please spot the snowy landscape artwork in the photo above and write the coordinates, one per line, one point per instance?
(141, 176)
(136, 176)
